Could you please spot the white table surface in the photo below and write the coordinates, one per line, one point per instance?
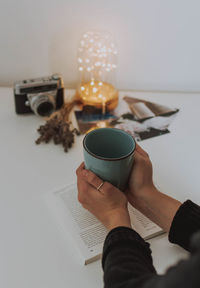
(33, 252)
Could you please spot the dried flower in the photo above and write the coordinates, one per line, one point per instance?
(59, 128)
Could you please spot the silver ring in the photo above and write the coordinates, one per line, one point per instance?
(98, 188)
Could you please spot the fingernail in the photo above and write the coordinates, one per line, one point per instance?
(85, 173)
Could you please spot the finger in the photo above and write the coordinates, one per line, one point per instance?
(83, 186)
(141, 151)
(87, 193)
(138, 157)
(141, 161)
(107, 188)
(91, 178)
(80, 168)
(82, 190)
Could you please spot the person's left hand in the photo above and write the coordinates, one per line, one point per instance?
(108, 203)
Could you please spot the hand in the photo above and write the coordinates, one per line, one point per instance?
(108, 204)
(143, 195)
(140, 180)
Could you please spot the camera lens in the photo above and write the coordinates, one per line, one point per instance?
(42, 104)
(45, 109)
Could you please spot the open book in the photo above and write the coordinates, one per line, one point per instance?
(143, 109)
(86, 233)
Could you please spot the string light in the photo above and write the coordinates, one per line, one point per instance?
(94, 89)
(97, 46)
(96, 61)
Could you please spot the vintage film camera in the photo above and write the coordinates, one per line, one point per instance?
(41, 96)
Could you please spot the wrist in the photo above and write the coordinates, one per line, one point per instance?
(157, 206)
(116, 218)
(143, 195)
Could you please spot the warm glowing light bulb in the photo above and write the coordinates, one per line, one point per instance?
(97, 60)
(94, 89)
(98, 63)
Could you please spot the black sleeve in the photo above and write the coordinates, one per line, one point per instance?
(127, 260)
(127, 263)
(185, 223)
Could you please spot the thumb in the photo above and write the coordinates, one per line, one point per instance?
(138, 157)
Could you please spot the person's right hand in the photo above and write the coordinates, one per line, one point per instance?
(144, 196)
(140, 181)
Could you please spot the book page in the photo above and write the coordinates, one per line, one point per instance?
(158, 109)
(82, 229)
(87, 233)
(141, 111)
(143, 225)
(91, 231)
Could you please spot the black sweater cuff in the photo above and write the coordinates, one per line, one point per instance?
(121, 236)
(185, 223)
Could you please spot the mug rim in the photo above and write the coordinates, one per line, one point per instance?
(109, 159)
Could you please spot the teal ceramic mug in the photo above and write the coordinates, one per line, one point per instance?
(108, 152)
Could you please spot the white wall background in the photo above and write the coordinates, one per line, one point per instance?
(158, 41)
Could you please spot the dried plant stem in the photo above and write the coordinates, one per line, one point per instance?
(59, 128)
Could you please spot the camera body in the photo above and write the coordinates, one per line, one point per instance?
(41, 96)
